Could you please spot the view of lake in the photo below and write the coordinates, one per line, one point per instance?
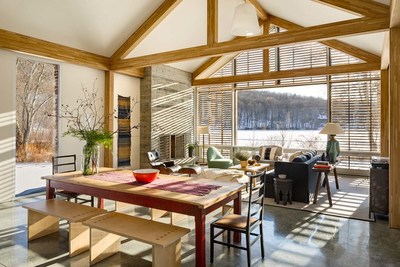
(310, 139)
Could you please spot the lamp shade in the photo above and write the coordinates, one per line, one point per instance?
(203, 130)
(245, 21)
(332, 128)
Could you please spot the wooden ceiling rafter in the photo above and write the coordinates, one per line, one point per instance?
(336, 44)
(262, 14)
(314, 33)
(212, 22)
(368, 8)
(146, 28)
(394, 13)
(273, 75)
(30, 45)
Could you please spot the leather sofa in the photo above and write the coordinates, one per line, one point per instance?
(165, 167)
(304, 178)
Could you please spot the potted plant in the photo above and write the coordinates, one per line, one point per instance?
(242, 156)
(191, 148)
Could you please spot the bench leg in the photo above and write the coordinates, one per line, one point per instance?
(177, 217)
(40, 225)
(103, 245)
(79, 238)
(169, 256)
(156, 213)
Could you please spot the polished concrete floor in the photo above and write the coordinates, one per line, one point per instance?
(291, 238)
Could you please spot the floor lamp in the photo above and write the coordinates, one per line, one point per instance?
(332, 147)
(203, 130)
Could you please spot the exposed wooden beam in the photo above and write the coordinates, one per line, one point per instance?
(212, 22)
(161, 12)
(338, 45)
(367, 8)
(22, 43)
(133, 72)
(394, 13)
(109, 111)
(360, 67)
(384, 94)
(394, 126)
(266, 27)
(211, 66)
(262, 14)
(385, 52)
(315, 33)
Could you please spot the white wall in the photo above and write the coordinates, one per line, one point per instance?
(7, 125)
(128, 86)
(72, 77)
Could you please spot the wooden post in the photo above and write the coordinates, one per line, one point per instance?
(384, 113)
(109, 113)
(394, 122)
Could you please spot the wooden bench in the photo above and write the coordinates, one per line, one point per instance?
(107, 229)
(44, 217)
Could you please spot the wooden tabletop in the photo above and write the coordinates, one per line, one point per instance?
(251, 168)
(226, 189)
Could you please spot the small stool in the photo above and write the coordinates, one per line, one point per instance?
(190, 170)
(284, 187)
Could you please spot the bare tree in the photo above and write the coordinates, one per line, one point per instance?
(35, 92)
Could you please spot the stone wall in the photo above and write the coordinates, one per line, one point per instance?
(166, 108)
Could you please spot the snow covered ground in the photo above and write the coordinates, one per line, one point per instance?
(28, 177)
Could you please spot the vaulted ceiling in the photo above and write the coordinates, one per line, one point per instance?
(102, 26)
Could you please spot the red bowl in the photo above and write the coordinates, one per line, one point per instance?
(145, 175)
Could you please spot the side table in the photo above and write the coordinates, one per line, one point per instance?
(325, 183)
(283, 186)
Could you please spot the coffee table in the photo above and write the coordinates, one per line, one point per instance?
(251, 168)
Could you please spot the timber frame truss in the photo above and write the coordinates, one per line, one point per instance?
(374, 17)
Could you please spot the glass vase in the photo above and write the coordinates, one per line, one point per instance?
(90, 159)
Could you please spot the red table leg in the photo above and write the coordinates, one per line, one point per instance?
(49, 190)
(200, 228)
(100, 203)
(237, 209)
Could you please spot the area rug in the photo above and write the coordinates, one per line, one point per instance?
(351, 200)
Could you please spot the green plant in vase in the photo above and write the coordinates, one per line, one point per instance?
(191, 148)
(242, 156)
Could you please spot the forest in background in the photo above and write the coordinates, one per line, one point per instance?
(263, 110)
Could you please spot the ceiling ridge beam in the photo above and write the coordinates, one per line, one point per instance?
(273, 75)
(145, 29)
(22, 43)
(366, 8)
(336, 44)
(314, 33)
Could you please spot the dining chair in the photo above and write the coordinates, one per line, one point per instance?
(63, 164)
(244, 224)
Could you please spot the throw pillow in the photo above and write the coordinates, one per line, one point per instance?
(295, 154)
(267, 152)
(308, 155)
(300, 158)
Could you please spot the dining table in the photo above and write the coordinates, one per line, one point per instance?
(191, 196)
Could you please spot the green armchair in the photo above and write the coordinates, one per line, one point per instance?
(216, 160)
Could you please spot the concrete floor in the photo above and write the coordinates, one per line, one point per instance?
(291, 237)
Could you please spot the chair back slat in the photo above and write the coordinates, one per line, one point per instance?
(256, 197)
(64, 163)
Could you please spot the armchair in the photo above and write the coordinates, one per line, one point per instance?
(216, 160)
(165, 167)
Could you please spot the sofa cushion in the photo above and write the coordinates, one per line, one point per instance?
(300, 158)
(272, 152)
(295, 154)
(308, 155)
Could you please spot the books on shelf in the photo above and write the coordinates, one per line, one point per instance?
(322, 162)
(322, 166)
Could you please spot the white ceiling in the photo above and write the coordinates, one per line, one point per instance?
(101, 26)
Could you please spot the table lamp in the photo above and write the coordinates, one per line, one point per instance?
(203, 130)
(332, 147)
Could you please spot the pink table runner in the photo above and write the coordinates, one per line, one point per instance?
(197, 189)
